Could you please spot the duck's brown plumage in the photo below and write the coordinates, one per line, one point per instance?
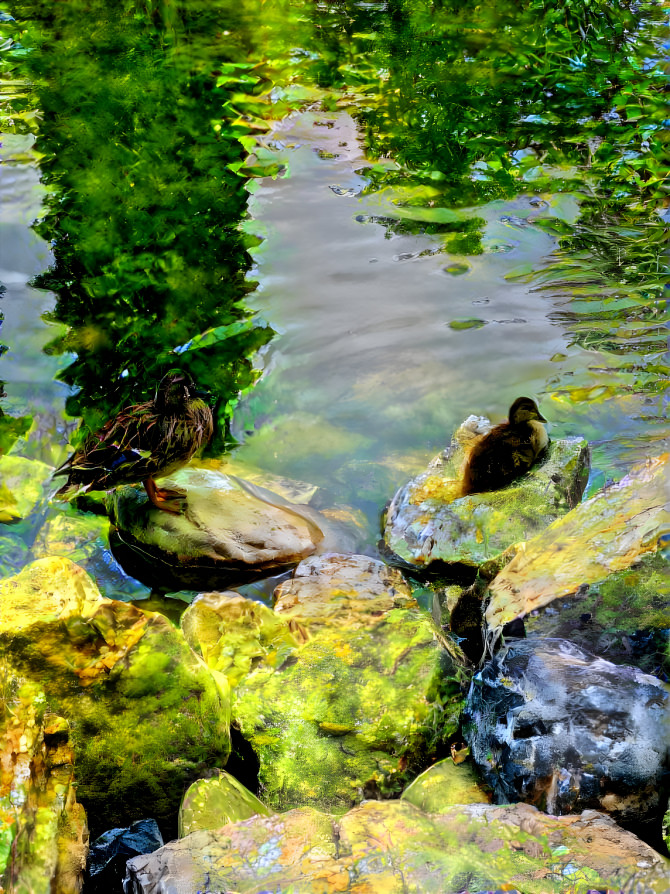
(142, 442)
(507, 451)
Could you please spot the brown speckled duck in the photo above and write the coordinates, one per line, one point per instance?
(507, 451)
(142, 442)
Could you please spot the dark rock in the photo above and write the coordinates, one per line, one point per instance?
(555, 726)
(110, 852)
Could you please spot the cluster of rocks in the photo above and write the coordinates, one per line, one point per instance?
(331, 704)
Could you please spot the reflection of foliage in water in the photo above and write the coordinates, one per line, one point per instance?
(140, 152)
(483, 101)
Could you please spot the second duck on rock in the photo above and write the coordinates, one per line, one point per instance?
(507, 451)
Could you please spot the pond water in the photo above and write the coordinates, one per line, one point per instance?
(389, 330)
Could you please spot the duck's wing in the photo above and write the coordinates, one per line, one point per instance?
(120, 449)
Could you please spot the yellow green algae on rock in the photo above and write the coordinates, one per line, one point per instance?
(349, 683)
(602, 536)
(147, 716)
(216, 801)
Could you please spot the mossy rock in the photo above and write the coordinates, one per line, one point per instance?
(430, 523)
(443, 785)
(147, 716)
(394, 847)
(597, 560)
(215, 802)
(43, 831)
(350, 685)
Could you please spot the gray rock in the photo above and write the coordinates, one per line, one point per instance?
(428, 521)
(551, 724)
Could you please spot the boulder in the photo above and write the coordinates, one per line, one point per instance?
(429, 522)
(580, 553)
(43, 830)
(550, 724)
(228, 533)
(393, 847)
(147, 717)
(215, 802)
(23, 486)
(341, 691)
(109, 854)
(444, 784)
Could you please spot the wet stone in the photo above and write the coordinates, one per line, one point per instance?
(551, 724)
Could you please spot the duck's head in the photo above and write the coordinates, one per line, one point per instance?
(524, 410)
(174, 391)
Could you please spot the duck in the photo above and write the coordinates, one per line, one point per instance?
(142, 442)
(507, 451)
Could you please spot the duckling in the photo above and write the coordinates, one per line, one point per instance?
(507, 451)
(142, 442)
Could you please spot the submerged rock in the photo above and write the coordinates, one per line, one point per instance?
(22, 486)
(229, 532)
(444, 784)
(341, 689)
(428, 521)
(553, 725)
(43, 830)
(393, 847)
(215, 802)
(607, 534)
(147, 718)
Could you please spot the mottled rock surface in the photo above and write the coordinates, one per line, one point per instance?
(443, 785)
(392, 847)
(147, 718)
(228, 533)
(428, 521)
(550, 724)
(215, 802)
(43, 830)
(341, 689)
(606, 534)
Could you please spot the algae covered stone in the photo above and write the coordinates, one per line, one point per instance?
(429, 521)
(147, 716)
(393, 847)
(228, 533)
(606, 534)
(215, 802)
(23, 486)
(349, 682)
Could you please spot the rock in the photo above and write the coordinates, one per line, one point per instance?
(215, 802)
(443, 785)
(553, 725)
(230, 532)
(429, 522)
(341, 690)
(393, 847)
(607, 534)
(110, 852)
(147, 717)
(43, 831)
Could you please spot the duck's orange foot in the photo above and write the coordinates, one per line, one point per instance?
(167, 499)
